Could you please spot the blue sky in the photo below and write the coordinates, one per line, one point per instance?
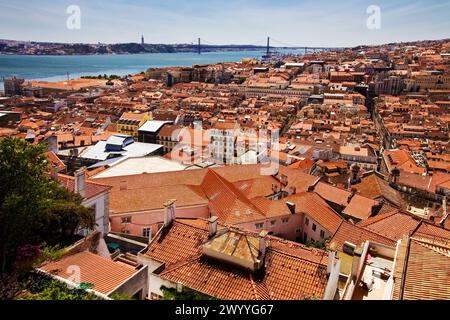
(299, 22)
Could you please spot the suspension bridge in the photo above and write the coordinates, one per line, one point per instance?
(264, 44)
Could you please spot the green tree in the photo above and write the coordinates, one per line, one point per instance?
(64, 216)
(24, 196)
(33, 208)
(186, 294)
(41, 287)
(317, 244)
(120, 296)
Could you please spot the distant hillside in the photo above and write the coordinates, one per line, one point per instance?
(40, 48)
(138, 48)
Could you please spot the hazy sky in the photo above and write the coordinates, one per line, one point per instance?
(299, 22)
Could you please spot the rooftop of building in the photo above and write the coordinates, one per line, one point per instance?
(300, 271)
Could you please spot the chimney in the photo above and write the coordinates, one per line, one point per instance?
(54, 172)
(170, 212)
(444, 205)
(80, 182)
(291, 207)
(356, 262)
(262, 245)
(331, 257)
(213, 226)
(353, 193)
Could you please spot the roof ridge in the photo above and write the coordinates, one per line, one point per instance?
(370, 231)
(297, 257)
(88, 180)
(262, 284)
(431, 246)
(325, 203)
(182, 263)
(189, 225)
(374, 220)
(255, 294)
(232, 188)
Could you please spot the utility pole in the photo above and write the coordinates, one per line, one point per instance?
(268, 46)
(199, 46)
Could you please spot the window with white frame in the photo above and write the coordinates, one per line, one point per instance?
(146, 232)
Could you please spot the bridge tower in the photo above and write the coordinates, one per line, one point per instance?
(268, 53)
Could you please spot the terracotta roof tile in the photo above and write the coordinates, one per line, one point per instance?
(430, 231)
(227, 202)
(422, 270)
(332, 194)
(393, 225)
(360, 207)
(374, 187)
(104, 274)
(92, 189)
(291, 271)
(55, 160)
(122, 201)
(356, 235)
(313, 205)
(178, 243)
(257, 187)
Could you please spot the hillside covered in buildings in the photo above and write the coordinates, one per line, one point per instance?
(294, 177)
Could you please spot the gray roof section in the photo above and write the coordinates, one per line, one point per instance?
(137, 149)
(153, 125)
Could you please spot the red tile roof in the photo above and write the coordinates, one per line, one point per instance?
(403, 160)
(393, 225)
(431, 231)
(104, 274)
(56, 161)
(376, 188)
(356, 235)
(235, 194)
(227, 202)
(332, 194)
(92, 189)
(314, 206)
(422, 270)
(257, 187)
(360, 207)
(123, 201)
(291, 271)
